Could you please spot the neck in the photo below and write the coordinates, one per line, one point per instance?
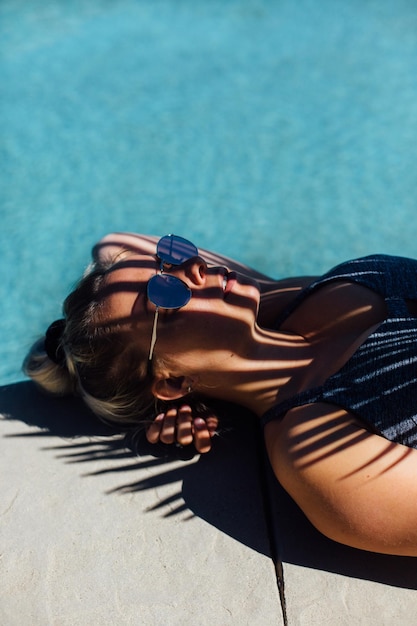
(268, 371)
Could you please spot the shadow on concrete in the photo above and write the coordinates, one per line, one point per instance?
(221, 487)
(295, 540)
(232, 487)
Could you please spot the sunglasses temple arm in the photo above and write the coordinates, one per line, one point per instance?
(153, 339)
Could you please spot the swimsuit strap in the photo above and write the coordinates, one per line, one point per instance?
(300, 399)
(393, 278)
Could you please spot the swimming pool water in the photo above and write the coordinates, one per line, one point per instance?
(281, 133)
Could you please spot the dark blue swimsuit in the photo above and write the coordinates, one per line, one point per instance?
(379, 382)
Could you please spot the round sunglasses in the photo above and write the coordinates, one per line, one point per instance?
(164, 290)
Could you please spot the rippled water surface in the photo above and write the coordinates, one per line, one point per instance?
(281, 133)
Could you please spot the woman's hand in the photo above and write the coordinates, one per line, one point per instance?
(178, 425)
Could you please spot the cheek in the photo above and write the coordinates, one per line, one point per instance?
(170, 334)
(185, 331)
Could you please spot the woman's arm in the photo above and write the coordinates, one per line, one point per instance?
(355, 487)
(276, 295)
(111, 245)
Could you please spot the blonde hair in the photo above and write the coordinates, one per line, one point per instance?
(101, 365)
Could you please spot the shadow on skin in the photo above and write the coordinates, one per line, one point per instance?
(298, 542)
(224, 487)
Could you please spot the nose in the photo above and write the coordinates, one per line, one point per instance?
(194, 271)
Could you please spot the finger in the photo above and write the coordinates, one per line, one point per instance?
(154, 430)
(167, 434)
(212, 424)
(185, 426)
(202, 439)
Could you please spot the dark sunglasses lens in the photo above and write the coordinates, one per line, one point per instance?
(175, 250)
(168, 292)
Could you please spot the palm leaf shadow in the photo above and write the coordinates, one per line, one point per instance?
(232, 488)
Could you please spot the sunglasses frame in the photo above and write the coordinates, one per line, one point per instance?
(169, 255)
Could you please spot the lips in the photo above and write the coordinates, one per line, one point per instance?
(229, 282)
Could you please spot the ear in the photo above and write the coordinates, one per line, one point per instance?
(171, 388)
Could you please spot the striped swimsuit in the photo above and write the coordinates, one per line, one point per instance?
(379, 382)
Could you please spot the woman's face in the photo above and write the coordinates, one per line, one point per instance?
(218, 319)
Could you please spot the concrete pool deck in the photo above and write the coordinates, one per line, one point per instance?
(94, 535)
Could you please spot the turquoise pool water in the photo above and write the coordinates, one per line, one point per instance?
(280, 132)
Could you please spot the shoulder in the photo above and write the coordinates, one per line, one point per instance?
(355, 486)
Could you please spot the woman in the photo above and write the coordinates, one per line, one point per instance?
(329, 366)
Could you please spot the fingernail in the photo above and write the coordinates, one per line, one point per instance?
(199, 422)
(159, 417)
